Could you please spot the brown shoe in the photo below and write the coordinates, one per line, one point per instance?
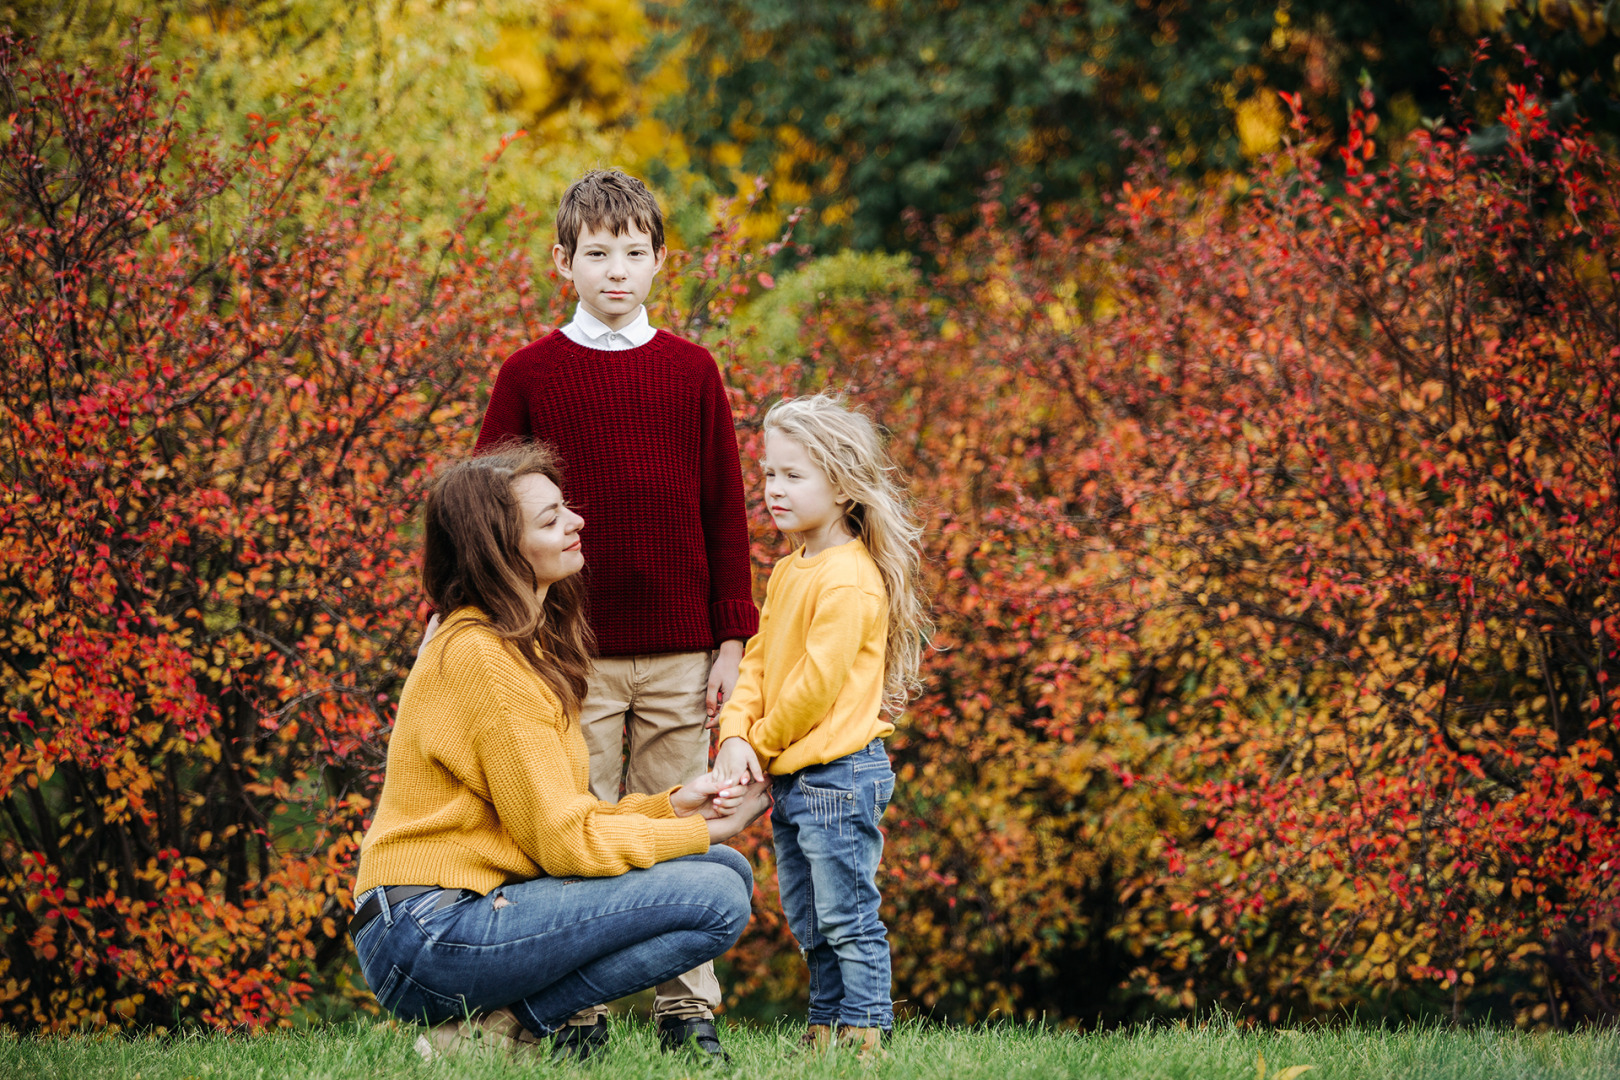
(867, 1042)
(817, 1039)
(497, 1031)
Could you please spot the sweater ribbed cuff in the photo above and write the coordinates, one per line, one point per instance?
(733, 620)
(656, 805)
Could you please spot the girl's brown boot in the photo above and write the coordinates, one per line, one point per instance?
(867, 1042)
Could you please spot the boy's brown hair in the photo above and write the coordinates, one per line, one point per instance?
(607, 199)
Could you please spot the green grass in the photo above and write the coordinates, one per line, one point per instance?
(1209, 1052)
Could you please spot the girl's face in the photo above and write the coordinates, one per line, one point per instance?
(798, 494)
(550, 530)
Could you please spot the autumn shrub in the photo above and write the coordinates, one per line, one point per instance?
(1276, 575)
(226, 371)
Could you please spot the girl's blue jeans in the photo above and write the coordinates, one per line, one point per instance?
(828, 846)
(549, 947)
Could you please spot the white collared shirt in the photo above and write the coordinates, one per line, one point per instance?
(593, 333)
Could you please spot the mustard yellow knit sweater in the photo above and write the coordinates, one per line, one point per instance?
(486, 783)
(810, 689)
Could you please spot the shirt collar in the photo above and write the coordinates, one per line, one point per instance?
(638, 332)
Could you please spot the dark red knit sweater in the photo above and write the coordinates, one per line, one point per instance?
(650, 461)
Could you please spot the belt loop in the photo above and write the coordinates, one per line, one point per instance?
(387, 913)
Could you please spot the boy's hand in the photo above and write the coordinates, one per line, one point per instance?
(723, 678)
(427, 635)
(737, 758)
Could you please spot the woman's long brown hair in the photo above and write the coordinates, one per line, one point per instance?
(473, 557)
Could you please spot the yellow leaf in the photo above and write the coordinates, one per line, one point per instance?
(1291, 1072)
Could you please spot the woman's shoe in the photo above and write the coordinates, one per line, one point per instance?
(496, 1030)
(576, 1042)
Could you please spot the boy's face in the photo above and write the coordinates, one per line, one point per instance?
(613, 274)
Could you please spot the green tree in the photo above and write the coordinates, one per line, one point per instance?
(864, 110)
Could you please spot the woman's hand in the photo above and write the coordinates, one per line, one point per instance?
(755, 801)
(710, 794)
(737, 758)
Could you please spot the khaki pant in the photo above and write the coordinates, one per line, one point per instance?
(659, 701)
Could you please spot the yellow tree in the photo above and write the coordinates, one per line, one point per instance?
(436, 84)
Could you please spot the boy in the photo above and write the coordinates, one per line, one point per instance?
(645, 432)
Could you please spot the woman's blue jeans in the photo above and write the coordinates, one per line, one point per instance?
(828, 846)
(549, 947)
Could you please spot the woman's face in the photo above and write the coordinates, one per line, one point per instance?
(550, 529)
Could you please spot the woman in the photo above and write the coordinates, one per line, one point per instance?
(496, 896)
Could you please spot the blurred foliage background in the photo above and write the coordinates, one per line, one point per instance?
(859, 110)
(977, 261)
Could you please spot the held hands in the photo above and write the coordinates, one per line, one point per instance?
(722, 679)
(728, 803)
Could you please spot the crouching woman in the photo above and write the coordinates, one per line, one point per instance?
(496, 897)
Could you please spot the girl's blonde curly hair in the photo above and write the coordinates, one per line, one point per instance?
(847, 446)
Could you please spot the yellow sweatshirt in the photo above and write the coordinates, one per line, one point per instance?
(810, 689)
(486, 784)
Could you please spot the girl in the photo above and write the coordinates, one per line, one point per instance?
(837, 653)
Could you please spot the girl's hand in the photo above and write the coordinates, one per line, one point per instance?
(737, 758)
(755, 801)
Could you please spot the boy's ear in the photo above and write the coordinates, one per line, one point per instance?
(564, 261)
(658, 259)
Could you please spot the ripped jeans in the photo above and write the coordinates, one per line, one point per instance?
(549, 947)
(828, 846)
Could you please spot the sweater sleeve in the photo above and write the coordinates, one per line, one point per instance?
(747, 701)
(732, 614)
(656, 805)
(506, 417)
(838, 627)
(566, 831)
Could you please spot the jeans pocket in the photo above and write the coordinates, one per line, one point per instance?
(432, 920)
(410, 1000)
(885, 792)
(828, 806)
